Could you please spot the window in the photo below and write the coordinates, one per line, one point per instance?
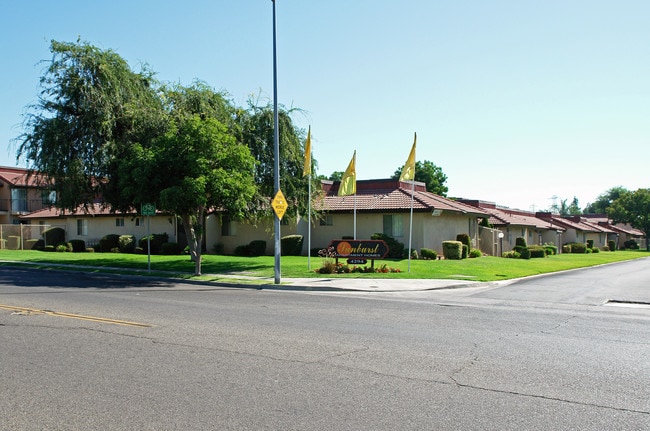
(393, 225)
(82, 227)
(227, 226)
(137, 221)
(327, 220)
(19, 200)
(119, 222)
(48, 197)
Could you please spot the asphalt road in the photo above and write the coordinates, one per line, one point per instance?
(544, 353)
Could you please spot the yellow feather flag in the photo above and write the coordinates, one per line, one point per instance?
(408, 171)
(307, 169)
(349, 181)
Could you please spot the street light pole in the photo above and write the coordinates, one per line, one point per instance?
(276, 146)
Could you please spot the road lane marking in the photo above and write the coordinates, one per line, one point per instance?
(24, 310)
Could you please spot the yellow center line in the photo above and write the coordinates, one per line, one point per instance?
(75, 316)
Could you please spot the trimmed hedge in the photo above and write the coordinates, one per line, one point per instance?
(465, 239)
(156, 239)
(474, 253)
(78, 245)
(108, 242)
(520, 241)
(537, 251)
(54, 235)
(395, 248)
(427, 253)
(452, 249)
(291, 245)
(578, 247)
(170, 248)
(258, 247)
(611, 244)
(126, 243)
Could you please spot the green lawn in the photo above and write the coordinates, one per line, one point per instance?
(479, 269)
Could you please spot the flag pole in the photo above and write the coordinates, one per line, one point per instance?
(309, 222)
(411, 223)
(355, 215)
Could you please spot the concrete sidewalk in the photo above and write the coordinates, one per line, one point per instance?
(368, 284)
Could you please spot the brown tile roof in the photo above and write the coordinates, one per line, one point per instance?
(95, 209)
(389, 196)
(18, 177)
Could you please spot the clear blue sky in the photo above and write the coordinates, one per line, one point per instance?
(517, 101)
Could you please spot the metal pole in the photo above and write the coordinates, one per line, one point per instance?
(276, 139)
(411, 223)
(148, 243)
(309, 221)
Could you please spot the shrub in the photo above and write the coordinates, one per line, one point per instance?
(170, 248)
(32, 244)
(218, 248)
(427, 253)
(126, 243)
(49, 248)
(465, 252)
(631, 244)
(109, 242)
(78, 245)
(395, 248)
(414, 254)
(537, 251)
(566, 248)
(475, 252)
(551, 250)
(520, 241)
(465, 239)
(595, 250)
(452, 249)
(590, 243)
(604, 248)
(258, 247)
(291, 245)
(611, 244)
(242, 250)
(54, 235)
(578, 247)
(511, 255)
(64, 247)
(90, 249)
(156, 240)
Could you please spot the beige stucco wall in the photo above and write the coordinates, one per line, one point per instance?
(104, 225)
(243, 232)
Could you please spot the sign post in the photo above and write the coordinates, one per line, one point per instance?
(148, 209)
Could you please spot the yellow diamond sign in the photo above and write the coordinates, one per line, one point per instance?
(279, 204)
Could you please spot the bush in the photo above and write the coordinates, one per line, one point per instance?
(258, 247)
(578, 247)
(126, 243)
(109, 242)
(156, 240)
(595, 250)
(64, 247)
(427, 253)
(452, 249)
(218, 248)
(465, 239)
(465, 252)
(170, 248)
(414, 254)
(242, 250)
(78, 245)
(511, 255)
(395, 248)
(49, 248)
(537, 251)
(631, 244)
(33, 244)
(291, 245)
(566, 248)
(551, 250)
(590, 243)
(475, 252)
(54, 235)
(611, 244)
(604, 248)
(90, 249)
(520, 241)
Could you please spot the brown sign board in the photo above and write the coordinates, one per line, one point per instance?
(359, 248)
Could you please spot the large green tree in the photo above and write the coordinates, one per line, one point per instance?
(633, 208)
(604, 200)
(257, 132)
(90, 107)
(102, 130)
(429, 174)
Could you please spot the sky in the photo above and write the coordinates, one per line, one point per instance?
(522, 103)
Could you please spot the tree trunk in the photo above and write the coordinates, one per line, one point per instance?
(194, 233)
